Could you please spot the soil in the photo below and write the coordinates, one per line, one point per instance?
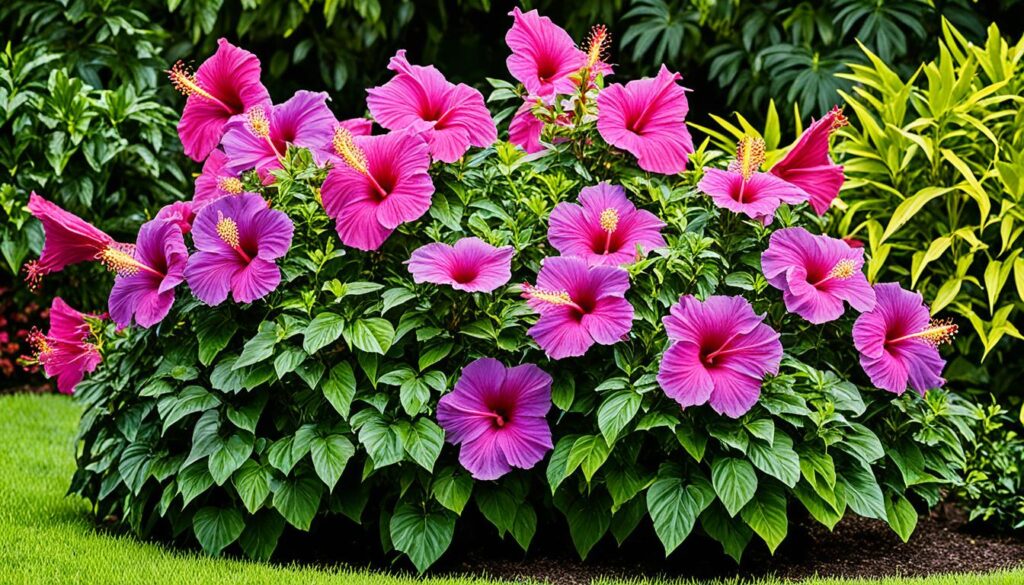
(859, 547)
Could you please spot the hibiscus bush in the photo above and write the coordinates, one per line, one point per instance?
(293, 348)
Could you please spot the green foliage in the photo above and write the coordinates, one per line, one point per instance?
(934, 163)
(320, 400)
(993, 490)
(785, 50)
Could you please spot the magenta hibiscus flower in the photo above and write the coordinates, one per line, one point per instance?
(451, 117)
(471, 265)
(544, 57)
(497, 415)
(808, 166)
(720, 353)
(69, 239)
(260, 138)
(144, 287)
(179, 213)
(647, 118)
(607, 229)
(816, 274)
(237, 240)
(215, 181)
(579, 306)
(525, 129)
(65, 352)
(225, 85)
(383, 184)
(898, 341)
(742, 189)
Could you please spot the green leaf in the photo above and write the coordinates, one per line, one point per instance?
(498, 505)
(229, 455)
(863, 494)
(259, 539)
(280, 455)
(624, 482)
(901, 515)
(616, 411)
(563, 390)
(763, 429)
(627, 518)
(413, 394)
(588, 452)
(558, 469)
(735, 482)
(298, 499)
(382, 441)
(779, 460)
(252, 482)
(246, 417)
(340, 388)
(193, 481)
(862, 443)
(216, 528)
(693, 441)
(766, 515)
(330, 455)
(733, 536)
(452, 490)
(192, 399)
(422, 441)
(323, 330)
(423, 535)
(288, 358)
(434, 353)
(134, 466)
(259, 348)
(674, 508)
(825, 512)
(370, 335)
(214, 331)
(589, 519)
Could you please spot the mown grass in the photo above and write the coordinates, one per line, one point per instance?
(46, 537)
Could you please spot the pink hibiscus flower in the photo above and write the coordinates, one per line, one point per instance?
(606, 230)
(144, 288)
(69, 239)
(742, 189)
(816, 274)
(179, 213)
(260, 138)
(544, 57)
(383, 184)
(579, 306)
(215, 181)
(451, 117)
(225, 85)
(65, 352)
(471, 265)
(525, 129)
(720, 354)
(237, 240)
(898, 341)
(647, 118)
(497, 415)
(808, 166)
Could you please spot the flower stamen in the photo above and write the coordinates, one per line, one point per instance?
(227, 231)
(257, 123)
(938, 332)
(230, 185)
(558, 298)
(345, 146)
(120, 259)
(598, 42)
(750, 155)
(838, 119)
(184, 80)
(843, 269)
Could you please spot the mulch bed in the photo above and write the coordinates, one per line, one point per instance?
(859, 547)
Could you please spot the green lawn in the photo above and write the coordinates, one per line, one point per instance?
(46, 537)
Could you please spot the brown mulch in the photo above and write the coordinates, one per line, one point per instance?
(858, 547)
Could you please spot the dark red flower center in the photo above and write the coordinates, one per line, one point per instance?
(464, 273)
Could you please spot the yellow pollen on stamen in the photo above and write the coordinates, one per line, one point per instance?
(257, 122)
(609, 220)
(843, 269)
(120, 261)
(560, 297)
(749, 156)
(597, 44)
(345, 146)
(230, 185)
(184, 80)
(939, 331)
(838, 119)
(227, 230)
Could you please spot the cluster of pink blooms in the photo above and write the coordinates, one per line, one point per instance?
(720, 348)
